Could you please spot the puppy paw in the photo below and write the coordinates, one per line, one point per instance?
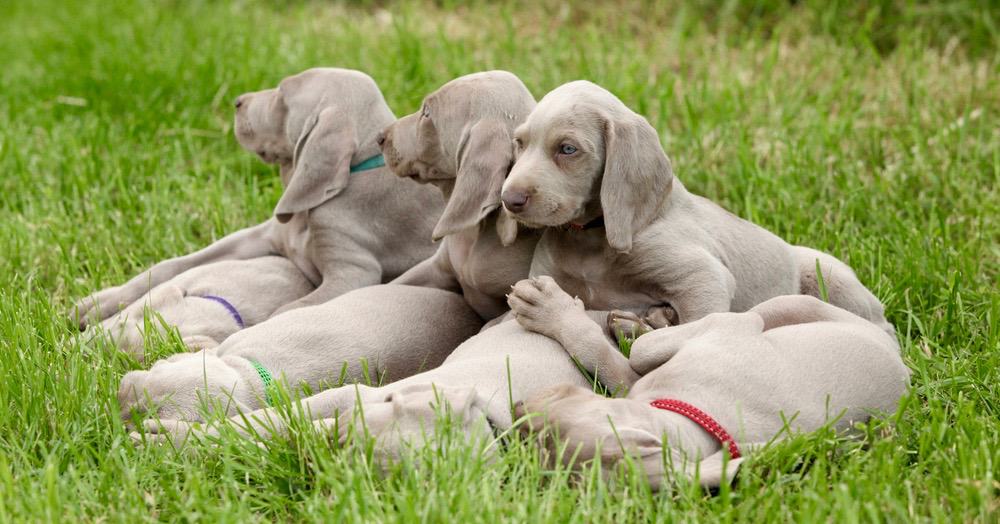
(166, 432)
(658, 317)
(627, 324)
(95, 308)
(540, 305)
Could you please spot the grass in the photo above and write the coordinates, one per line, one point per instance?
(869, 130)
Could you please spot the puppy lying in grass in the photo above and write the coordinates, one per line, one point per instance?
(356, 337)
(459, 142)
(209, 303)
(622, 232)
(724, 384)
(342, 220)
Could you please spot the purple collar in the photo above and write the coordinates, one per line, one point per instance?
(229, 307)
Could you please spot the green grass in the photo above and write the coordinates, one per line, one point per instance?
(870, 132)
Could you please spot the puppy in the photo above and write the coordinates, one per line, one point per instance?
(460, 141)
(356, 337)
(623, 233)
(790, 359)
(341, 220)
(479, 382)
(209, 303)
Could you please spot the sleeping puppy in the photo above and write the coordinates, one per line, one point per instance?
(623, 233)
(460, 141)
(478, 382)
(209, 303)
(374, 334)
(341, 220)
(791, 359)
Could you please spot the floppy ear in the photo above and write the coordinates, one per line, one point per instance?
(485, 154)
(322, 163)
(637, 178)
(506, 228)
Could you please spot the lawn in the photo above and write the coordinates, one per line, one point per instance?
(870, 132)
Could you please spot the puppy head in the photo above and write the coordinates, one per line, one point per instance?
(460, 140)
(582, 154)
(316, 125)
(409, 418)
(179, 386)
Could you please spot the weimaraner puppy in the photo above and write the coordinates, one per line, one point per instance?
(341, 220)
(460, 141)
(482, 377)
(344, 340)
(209, 303)
(623, 233)
(724, 384)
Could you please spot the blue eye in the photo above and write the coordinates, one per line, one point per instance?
(566, 149)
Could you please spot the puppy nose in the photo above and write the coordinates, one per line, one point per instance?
(514, 200)
(380, 138)
(238, 102)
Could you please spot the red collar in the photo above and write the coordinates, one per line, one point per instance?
(702, 419)
(597, 222)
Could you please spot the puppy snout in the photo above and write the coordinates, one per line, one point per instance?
(515, 200)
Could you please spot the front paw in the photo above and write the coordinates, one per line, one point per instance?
(94, 308)
(627, 324)
(169, 432)
(540, 305)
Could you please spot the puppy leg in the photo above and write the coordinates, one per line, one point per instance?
(436, 272)
(540, 305)
(652, 350)
(348, 276)
(246, 243)
(844, 290)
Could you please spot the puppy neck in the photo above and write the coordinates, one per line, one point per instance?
(367, 148)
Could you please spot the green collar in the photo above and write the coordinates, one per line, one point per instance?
(267, 379)
(371, 163)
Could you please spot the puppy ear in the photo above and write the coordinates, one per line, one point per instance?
(637, 178)
(506, 228)
(321, 160)
(484, 158)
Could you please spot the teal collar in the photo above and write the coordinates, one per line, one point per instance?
(371, 163)
(267, 379)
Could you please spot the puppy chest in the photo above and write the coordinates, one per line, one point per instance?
(489, 268)
(600, 284)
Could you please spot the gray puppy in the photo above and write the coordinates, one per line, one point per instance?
(341, 221)
(623, 233)
(791, 359)
(460, 141)
(356, 337)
